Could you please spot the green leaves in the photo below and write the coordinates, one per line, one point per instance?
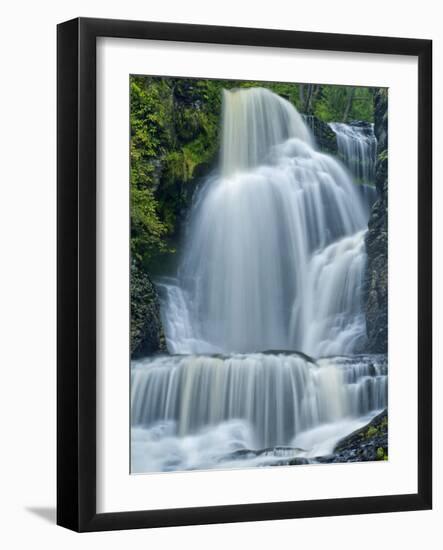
(146, 138)
(344, 103)
(174, 126)
(147, 230)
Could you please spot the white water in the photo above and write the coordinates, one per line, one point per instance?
(254, 121)
(274, 260)
(196, 411)
(331, 307)
(252, 264)
(357, 146)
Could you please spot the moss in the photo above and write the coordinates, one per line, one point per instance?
(383, 155)
(371, 432)
(378, 429)
(382, 454)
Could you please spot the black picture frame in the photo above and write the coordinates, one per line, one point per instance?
(76, 281)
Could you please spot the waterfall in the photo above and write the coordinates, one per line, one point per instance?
(254, 121)
(176, 319)
(253, 401)
(331, 307)
(196, 391)
(274, 259)
(357, 145)
(258, 228)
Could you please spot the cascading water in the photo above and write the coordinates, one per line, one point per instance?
(199, 411)
(274, 260)
(357, 145)
(257, 233)
(255, 121)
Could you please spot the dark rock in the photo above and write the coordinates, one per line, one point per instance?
(289, 352)
(366, 444)
(367, 126)
(147, 334)
(324, 136)
(376, 278)
(284, 455)
(186, 92)
(298, 461)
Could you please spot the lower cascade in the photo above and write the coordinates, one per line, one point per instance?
(245, 402)
(273, 262)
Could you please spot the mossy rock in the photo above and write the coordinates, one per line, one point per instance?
(147, 334)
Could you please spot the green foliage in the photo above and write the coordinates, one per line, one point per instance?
(174, 136)
(151, 118)
(332, 103)
(150, 121)
(147, 230)
(327, 102)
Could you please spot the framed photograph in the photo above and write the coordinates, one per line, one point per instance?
(244, 274)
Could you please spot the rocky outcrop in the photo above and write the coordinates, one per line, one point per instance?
(376, 279)
(366, 444)
(324, 136)
(147, 334)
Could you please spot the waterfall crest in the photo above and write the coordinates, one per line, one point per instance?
(254, 121)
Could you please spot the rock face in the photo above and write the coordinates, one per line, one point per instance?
(324, 136)
(376, 280)
(147, 334)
